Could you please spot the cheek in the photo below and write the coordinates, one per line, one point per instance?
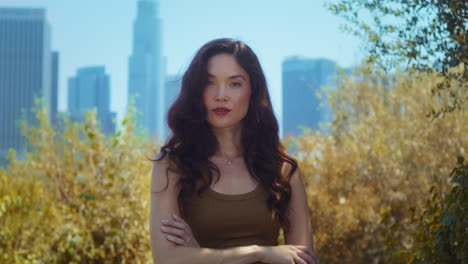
(245, 97)
(244, 101)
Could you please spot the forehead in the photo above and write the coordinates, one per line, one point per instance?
(224, 65)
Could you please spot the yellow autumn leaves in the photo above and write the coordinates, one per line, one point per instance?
(81, 197)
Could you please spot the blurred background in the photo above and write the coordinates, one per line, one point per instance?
(370, 97)
(120, 43)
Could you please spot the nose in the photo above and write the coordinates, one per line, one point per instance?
(221, 93)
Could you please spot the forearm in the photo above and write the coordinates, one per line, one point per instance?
(235, 255)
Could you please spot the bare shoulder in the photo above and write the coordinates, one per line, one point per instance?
(162, 175)
(286, 170)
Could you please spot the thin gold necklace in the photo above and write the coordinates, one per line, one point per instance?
(229, 162)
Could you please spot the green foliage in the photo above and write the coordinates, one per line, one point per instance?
(78, 197)
(423, 34)
(381, 153)
(441, 228)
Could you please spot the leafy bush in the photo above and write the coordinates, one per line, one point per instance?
(381, 152)
(441, 234)
(78, 197)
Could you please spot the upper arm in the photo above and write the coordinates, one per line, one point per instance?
(300, 232)
(162, 205)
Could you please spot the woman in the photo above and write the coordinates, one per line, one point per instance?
(228, 185)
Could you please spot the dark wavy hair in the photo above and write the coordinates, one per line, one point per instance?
(192, 141)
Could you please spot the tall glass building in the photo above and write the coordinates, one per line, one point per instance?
(25, 72)
(89, 90)
(54, 86)
(146, 69)
(303, 78)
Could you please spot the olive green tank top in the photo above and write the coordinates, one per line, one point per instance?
(221, 220)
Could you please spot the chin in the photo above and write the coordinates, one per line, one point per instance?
(224, 124)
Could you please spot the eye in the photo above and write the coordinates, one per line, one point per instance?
(236, 84)
(209, 83)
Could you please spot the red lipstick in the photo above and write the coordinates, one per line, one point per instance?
(221, 110)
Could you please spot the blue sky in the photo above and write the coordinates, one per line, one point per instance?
(99, 32)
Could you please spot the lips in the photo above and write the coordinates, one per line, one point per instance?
(222, 110)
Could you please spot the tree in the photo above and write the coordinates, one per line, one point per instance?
(441, 226)
(381, 151)
(425, 34)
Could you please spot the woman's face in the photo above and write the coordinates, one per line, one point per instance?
(227, 93)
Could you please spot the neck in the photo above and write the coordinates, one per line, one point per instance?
(229, 140)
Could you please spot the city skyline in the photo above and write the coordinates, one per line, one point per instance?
(86, 33)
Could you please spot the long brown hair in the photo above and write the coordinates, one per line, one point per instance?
(192, 141)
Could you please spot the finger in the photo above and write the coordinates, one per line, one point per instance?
(305, 249)
(173, 223)
(174, 231)
(308, 258)
(308, 251)
(298, 260)
(176, 240)
(180, 220)
(176, 217)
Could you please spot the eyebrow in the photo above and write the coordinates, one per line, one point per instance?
(231, 77)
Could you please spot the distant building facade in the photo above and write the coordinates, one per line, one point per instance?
(25, 73)
(146, 69)
(303, 78)
(54, 87)
(88, 90)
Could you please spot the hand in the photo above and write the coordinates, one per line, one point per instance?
(178, 232)
(288, 254)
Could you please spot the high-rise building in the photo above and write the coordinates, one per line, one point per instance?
(302, 80)
(25, 72)
(89, 90)
(172, 90)
(146, 69)
(54, 87)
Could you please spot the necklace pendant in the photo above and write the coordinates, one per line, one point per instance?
(229, 163)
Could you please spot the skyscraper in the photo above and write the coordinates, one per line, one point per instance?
(25, 71)
(146, 69)
(54, 87)
(90, 89)
(302, 79)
